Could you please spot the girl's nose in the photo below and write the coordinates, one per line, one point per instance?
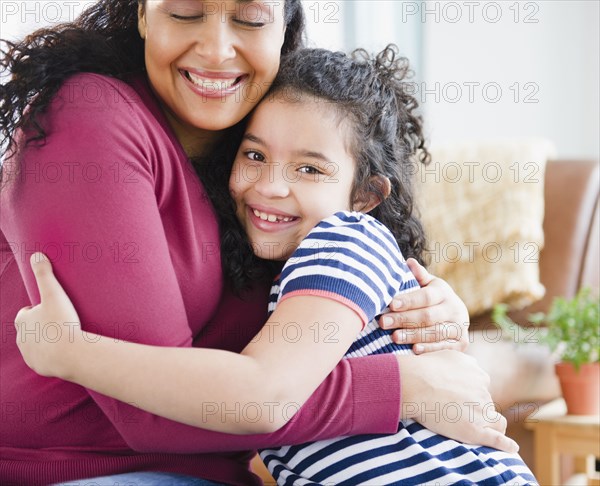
(215, 43)
(272, 183)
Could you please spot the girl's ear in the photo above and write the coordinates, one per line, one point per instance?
(142, 20)
(369, 199)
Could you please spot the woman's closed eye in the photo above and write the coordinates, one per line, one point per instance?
(251, 25)
(186, 18)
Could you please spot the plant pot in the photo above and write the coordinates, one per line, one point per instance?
(580, 389)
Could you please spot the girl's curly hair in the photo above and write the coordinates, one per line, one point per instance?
(104, 39)
(373, 95)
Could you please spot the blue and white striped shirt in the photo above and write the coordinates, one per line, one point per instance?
(354, 259)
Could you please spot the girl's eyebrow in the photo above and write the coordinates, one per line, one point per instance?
(253, 138)
(312, 155)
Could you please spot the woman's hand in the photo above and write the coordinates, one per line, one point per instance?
(45, 332)
(447, 392)
(432, 317)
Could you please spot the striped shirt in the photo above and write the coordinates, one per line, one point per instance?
(354, 259)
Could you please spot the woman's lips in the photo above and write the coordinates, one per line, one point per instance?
(213, 85)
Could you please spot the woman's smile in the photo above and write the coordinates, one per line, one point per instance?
(214, 84)
(207, 63)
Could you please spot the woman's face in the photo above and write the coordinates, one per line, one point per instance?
(211, 61)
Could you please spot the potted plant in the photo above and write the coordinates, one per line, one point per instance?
(571, 328)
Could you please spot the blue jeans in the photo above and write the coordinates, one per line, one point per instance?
(141, 479)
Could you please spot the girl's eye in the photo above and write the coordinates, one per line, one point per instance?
(309, 169)
(254, 155)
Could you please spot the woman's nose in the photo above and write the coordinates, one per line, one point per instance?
(272, 182)
(215, 43)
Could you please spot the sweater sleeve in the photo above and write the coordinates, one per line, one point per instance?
(106, 239)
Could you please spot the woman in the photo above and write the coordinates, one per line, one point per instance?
(108, 192)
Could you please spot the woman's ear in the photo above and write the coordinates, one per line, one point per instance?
(369, 199)
(142, 20)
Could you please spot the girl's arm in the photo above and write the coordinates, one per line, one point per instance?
(251, 392)
(271, 379)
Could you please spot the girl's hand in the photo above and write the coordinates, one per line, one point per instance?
(432, 317)
(45, 332)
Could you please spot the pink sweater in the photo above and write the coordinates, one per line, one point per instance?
(114, 202)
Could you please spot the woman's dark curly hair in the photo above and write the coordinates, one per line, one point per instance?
(104, 39)
(385, 135)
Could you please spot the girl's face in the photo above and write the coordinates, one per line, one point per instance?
(291, 171)
(210, 61)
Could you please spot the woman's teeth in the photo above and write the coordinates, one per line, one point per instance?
(272, 218)
(211, 83)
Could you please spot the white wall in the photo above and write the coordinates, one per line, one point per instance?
(19, 17)
(370, 24)
(543, 56)
(545, 61)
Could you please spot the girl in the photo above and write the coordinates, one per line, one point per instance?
(334, 140)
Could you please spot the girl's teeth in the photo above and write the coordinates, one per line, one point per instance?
(271, 218)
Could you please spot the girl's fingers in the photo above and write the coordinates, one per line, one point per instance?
(21, 317)
(47, 284)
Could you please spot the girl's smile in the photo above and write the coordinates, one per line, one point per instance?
(270, 222)
(291, 171)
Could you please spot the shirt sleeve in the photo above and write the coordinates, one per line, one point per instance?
(351, 258)
(78, 221)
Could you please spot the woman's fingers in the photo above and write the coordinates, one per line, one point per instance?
(419, 299)
(432, 317)
(497, 440)
(438, 332)
(420, 272)
(435, 338)
(422, 348)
